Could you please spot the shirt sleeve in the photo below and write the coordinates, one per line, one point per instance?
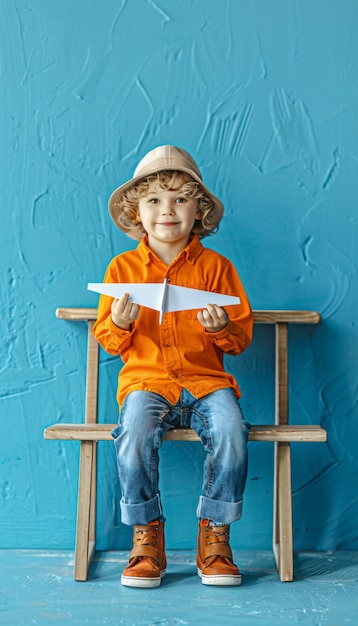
(237, 334)
(113, 340)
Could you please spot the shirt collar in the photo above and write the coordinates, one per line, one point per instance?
(192, 250)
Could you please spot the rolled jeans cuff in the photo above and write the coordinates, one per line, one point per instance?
(218, 511)
(142, 513)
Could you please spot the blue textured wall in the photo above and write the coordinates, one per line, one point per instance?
(264, 94)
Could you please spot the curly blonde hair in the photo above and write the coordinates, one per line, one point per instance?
(173, 180)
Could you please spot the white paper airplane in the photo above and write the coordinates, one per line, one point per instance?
(164, 297)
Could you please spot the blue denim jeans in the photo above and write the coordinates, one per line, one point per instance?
(216, 418)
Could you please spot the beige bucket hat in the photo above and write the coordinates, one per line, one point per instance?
(159, 159)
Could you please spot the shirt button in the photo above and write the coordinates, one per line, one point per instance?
(168, 280)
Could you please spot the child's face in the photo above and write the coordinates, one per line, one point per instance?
(167, 216)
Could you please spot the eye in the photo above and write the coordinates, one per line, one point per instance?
(181, 199)
(153, 201)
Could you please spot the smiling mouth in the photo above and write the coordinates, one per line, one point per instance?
(167, 223)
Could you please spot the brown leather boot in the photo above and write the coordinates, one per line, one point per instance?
(147, 560)
(214, 559)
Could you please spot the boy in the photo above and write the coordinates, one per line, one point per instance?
(173, 373)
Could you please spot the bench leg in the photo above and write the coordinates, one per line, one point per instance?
(85, 530)
(282, 529)
(92, 526)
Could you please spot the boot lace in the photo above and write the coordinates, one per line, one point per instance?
(146, 536)
(217, 534)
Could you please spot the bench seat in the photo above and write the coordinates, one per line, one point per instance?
(102, 432)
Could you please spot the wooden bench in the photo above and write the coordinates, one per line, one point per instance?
(281, 432)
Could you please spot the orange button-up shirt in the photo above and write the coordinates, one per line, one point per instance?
(179, 353)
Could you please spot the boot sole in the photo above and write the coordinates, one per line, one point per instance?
(141, 582)
(220, 579)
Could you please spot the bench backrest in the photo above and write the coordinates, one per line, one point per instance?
(280, 319)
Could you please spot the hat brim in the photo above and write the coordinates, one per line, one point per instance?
(137, 232)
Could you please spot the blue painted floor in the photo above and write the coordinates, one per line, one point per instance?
(38, 588)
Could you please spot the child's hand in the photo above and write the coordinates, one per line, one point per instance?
(124, 312)
(213, 318)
